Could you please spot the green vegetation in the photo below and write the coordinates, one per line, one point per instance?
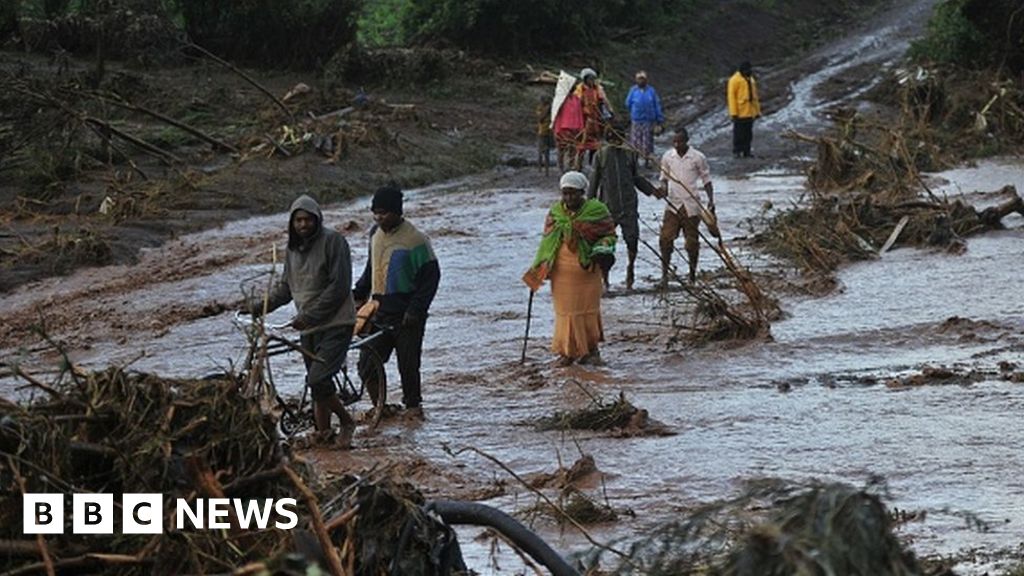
(531, 26)
(380, 23)
(975, 33)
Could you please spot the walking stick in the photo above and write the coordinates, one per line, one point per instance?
(526, 337)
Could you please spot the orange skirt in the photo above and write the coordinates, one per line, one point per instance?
(576, 294)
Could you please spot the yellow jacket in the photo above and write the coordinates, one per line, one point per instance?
(743, 102)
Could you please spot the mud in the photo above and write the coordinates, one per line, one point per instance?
(723, 401)
(811, 402)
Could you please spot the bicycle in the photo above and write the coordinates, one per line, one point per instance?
(369, 367)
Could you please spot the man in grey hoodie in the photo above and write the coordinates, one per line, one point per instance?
(318, 277)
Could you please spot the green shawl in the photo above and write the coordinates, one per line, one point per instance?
(591, 229)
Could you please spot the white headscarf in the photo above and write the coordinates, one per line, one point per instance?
(587, 72)
(573, 179)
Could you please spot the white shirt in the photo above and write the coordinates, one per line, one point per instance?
(688, 169)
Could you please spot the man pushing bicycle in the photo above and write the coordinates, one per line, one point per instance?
(318, 278)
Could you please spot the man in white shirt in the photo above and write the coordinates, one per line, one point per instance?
(681, 169)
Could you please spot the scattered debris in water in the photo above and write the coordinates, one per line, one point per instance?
(618, 416)
(779, 528)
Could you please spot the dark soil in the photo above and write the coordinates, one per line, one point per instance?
(462, 122)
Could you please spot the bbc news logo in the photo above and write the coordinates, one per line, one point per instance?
(144, 513)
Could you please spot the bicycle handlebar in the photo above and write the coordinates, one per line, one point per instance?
(247, 319)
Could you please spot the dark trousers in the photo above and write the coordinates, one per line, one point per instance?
(330, 347)
(407, 342)
(742, 136)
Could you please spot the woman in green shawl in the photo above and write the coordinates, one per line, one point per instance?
(576, 252)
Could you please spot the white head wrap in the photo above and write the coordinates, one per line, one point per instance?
(587, 72)
(575, 180)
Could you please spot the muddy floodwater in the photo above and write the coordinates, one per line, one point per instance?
(813, 402)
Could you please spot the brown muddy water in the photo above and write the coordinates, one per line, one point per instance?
(952, 450)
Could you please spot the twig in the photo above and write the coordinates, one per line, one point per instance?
(155, 151)
(244, 76)
(542, 496)
(77, 562)
(262, 476)
(117, 149)
(167, 119)
(333, 562)
(35, 382)
(342, 519)
(44, 552)
(526, 560)
(277, 146)
(20, 548)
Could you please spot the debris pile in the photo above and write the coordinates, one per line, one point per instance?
(573, 505)
(775, 528)
(118, 432)
(381, 526)
(867, 195)
(867, 192)
(960, 112)
(600, 414)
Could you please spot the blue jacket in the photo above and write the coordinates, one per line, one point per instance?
(644, 105)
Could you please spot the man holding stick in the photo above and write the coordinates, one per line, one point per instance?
(682, 168)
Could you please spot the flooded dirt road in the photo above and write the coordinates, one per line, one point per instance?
(812, 403)
(825, 397)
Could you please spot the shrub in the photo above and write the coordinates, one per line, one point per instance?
(301, 33)
(380, 22)
(975, 33)
(525, 26)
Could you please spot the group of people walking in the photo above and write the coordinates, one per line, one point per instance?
(577, 248)
(576, 252)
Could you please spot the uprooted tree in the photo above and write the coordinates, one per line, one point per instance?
(867, 192)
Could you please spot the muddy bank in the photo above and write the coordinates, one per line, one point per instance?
(810, 403)
(101, 198)
(98, 200)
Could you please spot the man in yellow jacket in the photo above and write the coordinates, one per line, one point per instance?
(744, 108)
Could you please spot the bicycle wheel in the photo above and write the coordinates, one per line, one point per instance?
(372, 377)
(296, 416)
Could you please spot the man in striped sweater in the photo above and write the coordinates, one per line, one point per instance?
(401, 276)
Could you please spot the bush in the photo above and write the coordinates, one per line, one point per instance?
(8, 19)
(975, 33)
(301, 33)
(380, 23)
(526, 26)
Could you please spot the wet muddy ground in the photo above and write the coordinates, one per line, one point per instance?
(910, 370)
(823, 399)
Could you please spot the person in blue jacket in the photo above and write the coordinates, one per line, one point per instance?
(645, 113)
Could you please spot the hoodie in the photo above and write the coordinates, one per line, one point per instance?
(317, 274)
